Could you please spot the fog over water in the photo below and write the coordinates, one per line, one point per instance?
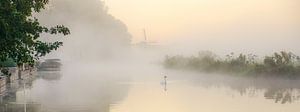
(104, 71)
(98, 59)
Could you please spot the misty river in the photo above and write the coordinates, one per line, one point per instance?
(108, 58)
(91, 89)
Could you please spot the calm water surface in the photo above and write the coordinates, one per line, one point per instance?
(92, 90)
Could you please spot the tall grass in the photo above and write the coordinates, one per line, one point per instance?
(285, 64)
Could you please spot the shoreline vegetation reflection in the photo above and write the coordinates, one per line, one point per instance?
(283, 91)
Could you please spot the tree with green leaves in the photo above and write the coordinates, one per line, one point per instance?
(20, 32)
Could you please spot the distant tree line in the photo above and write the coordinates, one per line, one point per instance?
(283, 64)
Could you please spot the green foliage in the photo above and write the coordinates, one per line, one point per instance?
(278, 64)
(8, 63)
(20, 32)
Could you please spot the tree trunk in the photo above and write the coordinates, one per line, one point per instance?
(19, 68)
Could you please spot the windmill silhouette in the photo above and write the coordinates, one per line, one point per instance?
(146, 41)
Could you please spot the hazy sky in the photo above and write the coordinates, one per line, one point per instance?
(165, 19)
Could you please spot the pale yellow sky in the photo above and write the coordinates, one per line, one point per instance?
(164, 19)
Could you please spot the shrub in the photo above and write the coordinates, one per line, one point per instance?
(279, 64)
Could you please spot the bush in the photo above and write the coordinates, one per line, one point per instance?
(8, 63)
(278, 64)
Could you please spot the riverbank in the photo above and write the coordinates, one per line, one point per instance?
(14, 77)
(280, 64)
(9, 85)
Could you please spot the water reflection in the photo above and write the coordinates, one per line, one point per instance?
(283, 95)
(9, 99)
(211, 93)
(65, 91)
(88, 90)
(49, 75)
(279, 90)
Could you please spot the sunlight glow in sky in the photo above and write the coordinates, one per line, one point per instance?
(165, 19)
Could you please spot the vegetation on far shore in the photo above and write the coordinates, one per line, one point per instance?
(282, 64)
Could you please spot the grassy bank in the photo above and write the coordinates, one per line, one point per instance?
(283, 64)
